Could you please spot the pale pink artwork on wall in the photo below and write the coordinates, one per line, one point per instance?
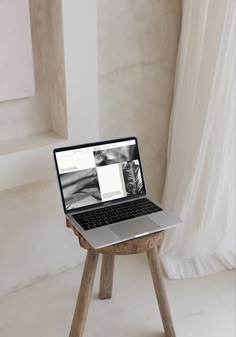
(16, 61)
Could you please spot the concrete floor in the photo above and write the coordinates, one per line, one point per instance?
(200, 307)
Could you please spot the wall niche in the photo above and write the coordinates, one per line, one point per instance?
(42, 119)
(31, 127)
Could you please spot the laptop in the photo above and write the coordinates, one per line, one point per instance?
(103, 192)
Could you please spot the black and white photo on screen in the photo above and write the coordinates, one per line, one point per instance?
(132, 177)
(80, 188)
(116, 155)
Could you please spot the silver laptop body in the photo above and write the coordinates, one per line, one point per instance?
(97, 176)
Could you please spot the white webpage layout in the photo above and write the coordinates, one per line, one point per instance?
(111, 182)
(110, 176)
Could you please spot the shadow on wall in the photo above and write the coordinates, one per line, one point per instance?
(137, 50)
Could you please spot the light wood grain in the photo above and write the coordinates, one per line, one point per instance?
(49, 68)
(106, 279)
(158, 281)
(82, 304)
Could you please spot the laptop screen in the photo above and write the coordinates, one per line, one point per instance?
(99, 173)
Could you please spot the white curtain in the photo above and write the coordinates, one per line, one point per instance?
(200, 182)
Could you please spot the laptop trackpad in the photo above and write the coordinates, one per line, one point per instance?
(130, 228)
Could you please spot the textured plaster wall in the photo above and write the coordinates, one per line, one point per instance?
(137, 49)
(34, 241)
(137, 46)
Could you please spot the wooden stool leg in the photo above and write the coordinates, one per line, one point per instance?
(83, 300)
(106, 280)
(158, 281)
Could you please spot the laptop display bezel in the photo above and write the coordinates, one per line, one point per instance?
(102, 203)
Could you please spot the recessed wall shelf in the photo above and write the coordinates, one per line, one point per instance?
(28, 143)
(29, 125)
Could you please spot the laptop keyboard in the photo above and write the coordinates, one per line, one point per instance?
(109, 215)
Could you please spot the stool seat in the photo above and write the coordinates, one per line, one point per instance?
(148, 244)
(133, 246)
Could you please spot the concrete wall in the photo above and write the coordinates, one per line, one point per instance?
(137, 47)
(34, 241)
(137, 43)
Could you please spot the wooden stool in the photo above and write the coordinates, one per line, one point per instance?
(146, 244)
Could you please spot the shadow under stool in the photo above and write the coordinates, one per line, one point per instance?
(148, 244)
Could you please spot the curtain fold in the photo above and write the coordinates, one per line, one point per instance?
(200, 180)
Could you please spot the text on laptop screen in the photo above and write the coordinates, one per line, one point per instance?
(91, 175)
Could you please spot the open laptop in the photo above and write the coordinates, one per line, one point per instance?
(103, 192)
